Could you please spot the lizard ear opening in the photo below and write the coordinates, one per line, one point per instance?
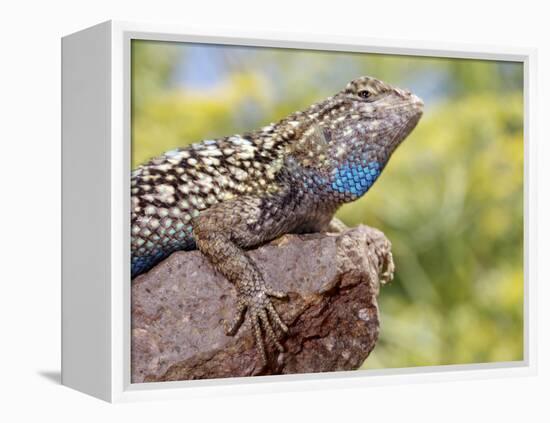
(313, 143)
(321, 135)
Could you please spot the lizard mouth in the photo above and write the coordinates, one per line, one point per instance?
(415, 109)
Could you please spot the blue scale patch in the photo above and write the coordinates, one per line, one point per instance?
(355, 178)
(141, 264)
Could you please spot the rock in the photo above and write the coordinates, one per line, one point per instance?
(178, 309)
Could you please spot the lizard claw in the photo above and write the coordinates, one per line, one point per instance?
(277, 294)
(232, 328)
(262, 316)
(275, 316)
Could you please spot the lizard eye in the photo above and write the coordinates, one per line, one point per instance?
(364, 94)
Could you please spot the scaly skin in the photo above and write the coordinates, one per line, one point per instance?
(231, 194)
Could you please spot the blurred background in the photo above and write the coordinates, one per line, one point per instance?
(450, 199)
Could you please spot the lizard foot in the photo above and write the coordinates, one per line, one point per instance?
(336, 226)
(261, 315)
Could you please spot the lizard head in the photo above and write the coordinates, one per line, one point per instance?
(374, 117)
(360, 127)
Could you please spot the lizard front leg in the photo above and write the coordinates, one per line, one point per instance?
(221, 232)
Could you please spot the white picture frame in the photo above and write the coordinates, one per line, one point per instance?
(96, 218)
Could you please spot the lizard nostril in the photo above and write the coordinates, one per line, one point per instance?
(417, 100)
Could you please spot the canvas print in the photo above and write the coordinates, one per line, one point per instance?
(299, 211)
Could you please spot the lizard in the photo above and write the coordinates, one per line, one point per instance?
(228, 195)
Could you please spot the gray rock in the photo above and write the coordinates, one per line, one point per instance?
(178, 309)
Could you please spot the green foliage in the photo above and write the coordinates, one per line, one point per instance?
(177, 118)
(152, 64)
(450, 200)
